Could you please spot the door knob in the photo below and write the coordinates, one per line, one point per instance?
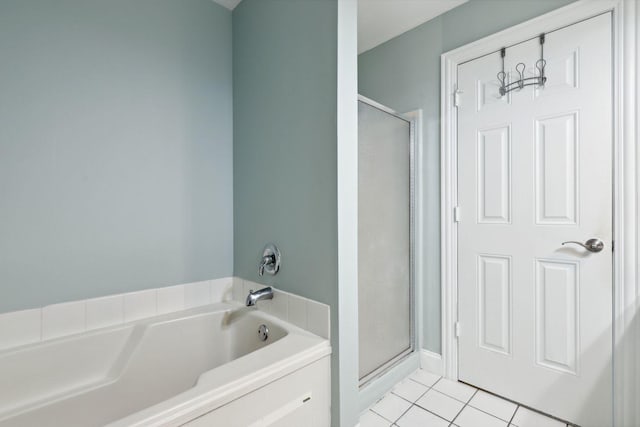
(592, 245)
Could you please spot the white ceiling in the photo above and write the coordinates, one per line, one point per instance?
(382, 20)
(229, 4)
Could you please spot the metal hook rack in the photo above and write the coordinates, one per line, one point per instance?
(539, 80)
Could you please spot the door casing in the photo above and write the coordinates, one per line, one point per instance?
(626, 298)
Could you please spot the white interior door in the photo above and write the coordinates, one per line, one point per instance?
(535, 170)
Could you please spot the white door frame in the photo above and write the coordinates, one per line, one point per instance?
(626, 298)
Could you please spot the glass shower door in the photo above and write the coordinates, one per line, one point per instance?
(385, 313)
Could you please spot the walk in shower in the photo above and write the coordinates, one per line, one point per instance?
(385, 242)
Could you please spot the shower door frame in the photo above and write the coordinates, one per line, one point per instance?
(626, 293)
(385, 367)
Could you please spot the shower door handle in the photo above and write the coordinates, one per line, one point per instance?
(592, 245)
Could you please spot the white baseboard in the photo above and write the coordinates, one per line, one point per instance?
(432, 362)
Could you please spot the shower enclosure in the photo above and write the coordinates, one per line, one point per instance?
(385, 243)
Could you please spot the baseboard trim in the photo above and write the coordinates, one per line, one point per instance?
(432, 362)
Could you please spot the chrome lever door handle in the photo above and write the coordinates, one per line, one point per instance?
(592, 245)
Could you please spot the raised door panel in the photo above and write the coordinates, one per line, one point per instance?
(494, 303)
(556, 339)
(488, 94)
(556, 169)
(493, 159)
(562, 72)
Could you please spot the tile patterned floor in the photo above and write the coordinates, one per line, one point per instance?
(427, 400)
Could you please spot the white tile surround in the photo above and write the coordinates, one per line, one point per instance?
(427, 400)
(302, 312)
(53, 321)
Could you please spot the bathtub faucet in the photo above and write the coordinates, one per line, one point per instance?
(260, 294)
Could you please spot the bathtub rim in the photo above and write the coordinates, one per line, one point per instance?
(207, 394)
(218, 387)
(213, 389)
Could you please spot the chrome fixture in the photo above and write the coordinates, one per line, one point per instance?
(270, 262)
(539, 80)
(263, 332)
(592, 245)
(260, 294)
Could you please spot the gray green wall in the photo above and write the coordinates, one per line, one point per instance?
(404, 74)
(285, 154)
(115, 147)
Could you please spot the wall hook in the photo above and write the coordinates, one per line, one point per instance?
(523, 81)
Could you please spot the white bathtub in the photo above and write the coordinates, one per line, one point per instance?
(163, 371)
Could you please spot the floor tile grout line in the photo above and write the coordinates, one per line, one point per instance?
(419, 397)
(406, 400)
(468, 403)
(400, 396)
(414, 404)
(403, 398)
(380, 415)
(465, 405)
(432, 387)
(451, 397)
(493, 415)
(422, 384)
(514, 415)
(411, 404)
(519, 405)
(402, 415)
(433, 413)
(544, 414)
(455, 398)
